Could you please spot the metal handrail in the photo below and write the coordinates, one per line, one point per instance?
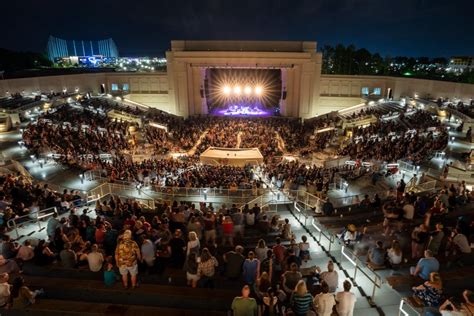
(412, 312)
(12, 223)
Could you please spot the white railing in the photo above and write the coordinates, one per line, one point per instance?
(406, 309)
(36, 217)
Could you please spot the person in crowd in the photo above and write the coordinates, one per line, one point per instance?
(425, 266)
(53, 224)
(261, 250)
(304, 249)
(210, 228)
(436, 238)
(148, 251)
(207, 268)
(191, 267)
(26, 252)
(448, 308)
(324, 301)
(43, 254)
(261, 286)
(21, 295)
(4, 290)
(109, 274)
(460, 250)
(430, 292)
(394, 254)
(251, 268)
(286, 231)
(301, 300)
(127, 255)
(345, 300)
(419, 238)
(234, 261)
(178, 249)
(193, 243)
(244, 305)
(95, 259)
(376, 256)
(68, 257)
(331, 277)
(290, 278)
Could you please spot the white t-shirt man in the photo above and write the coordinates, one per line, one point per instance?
(460, 240)
(324, 303)
(345, 303)
(95, 260)
(408, 211)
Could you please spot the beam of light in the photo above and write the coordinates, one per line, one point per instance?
(258, 90)
(247, 90)
(237, 90)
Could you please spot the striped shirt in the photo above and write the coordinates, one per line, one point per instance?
(301, 304)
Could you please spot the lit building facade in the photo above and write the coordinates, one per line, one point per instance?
(59, 48)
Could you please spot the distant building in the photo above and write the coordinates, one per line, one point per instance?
(85, 51)
(460, 63)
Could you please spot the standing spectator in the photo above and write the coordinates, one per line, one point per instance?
(291, 278)
(345, 300)
(425, 266)
(251, 268)
(304, 249)
(210, 229)
(301, 300)
(330, 277)
(109, 274)
(228, 231)
(53, 224)
(261, 250)
(148, 250)
(233, 263)
(324, 301)
(207, 268)
(419, 237)
(127, 255)
(244, 305)
(193, 243)
(95, 259)
(178, 249)
(436, 237)
(400, 189)
(460, 248)
(191, 267)
(286, 233)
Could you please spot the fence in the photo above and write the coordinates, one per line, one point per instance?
(406, 309)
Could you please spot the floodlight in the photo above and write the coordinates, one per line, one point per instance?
(237, 89)
(226, 90)
(258, 90)
(247, 90)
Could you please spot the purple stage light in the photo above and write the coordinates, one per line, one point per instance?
(242, 110)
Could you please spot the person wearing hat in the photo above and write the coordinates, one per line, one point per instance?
(127, 255)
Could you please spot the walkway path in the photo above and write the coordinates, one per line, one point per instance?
(239, 139)
(193, 150)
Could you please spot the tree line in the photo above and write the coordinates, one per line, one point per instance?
(348, 60)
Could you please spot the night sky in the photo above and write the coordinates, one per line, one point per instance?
(397, 27)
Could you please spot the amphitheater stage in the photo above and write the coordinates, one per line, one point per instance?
(238, 157)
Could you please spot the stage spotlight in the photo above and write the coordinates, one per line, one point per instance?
(226, 90)
(258, 90)
(237, 89)
(247, 90)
